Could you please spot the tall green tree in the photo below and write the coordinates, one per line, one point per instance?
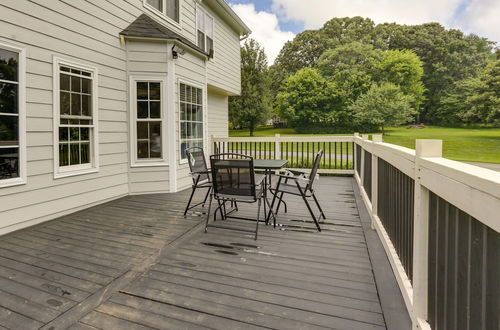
(448, 56)
(404, 69)
(352, 67)
(308, 100)
(253, 106)
(473, 100)
(383, 105)
(484, 103)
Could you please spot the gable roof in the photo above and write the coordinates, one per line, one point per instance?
(147, 28)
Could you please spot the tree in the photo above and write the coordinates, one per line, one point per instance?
(484, 101)
(453, 104)
(308, 100)
(383, 105)
(253, 106)
(404, 69)
(473, 100)
(448, 56)
(352, 67)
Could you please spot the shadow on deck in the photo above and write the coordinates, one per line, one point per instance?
(136, 263)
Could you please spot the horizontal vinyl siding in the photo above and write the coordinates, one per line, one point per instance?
(217, 114)
(87, 34)
(224, 69)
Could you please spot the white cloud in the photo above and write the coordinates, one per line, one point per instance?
(481, 16)
(265, 29)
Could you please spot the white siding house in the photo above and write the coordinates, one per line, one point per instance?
(99, 99)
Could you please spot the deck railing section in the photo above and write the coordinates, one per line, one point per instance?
(299, 151)
(440, 226)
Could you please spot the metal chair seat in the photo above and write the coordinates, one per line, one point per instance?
(291, 188)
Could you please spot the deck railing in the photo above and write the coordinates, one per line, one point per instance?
(299, 151)
(439, 222)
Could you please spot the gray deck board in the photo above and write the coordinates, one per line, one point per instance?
(137, 263)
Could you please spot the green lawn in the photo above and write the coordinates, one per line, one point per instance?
(464, 144)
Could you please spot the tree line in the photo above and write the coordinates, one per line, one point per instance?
(353, 74)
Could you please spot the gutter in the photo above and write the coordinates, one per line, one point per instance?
(245, 29)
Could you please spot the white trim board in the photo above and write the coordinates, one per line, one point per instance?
(23, 168)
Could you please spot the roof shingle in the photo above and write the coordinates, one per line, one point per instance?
(146, 27)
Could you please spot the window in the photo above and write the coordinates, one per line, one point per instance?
(191, 108)
(149, 117)
(75, 119)
(169, 8)
(205, 31)
(148, 122)
(12, 154)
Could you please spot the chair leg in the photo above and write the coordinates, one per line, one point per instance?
(208, 213)
(258, 219)
(266, 201)
(206, 197)
(280, 202)
(311, 212)
(190, 199)
(319, 206)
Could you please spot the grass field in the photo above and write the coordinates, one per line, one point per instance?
(464, 144)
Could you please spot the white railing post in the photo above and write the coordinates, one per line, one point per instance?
(277, 146)
(362, 169)
(375, 139)
(424, 148)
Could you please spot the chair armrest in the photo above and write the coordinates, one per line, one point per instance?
(289, 175)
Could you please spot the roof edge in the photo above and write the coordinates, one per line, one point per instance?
(245, 30)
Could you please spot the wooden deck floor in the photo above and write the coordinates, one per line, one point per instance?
(136, 263)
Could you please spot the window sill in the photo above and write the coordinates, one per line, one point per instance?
(69, 173)
(12, 182)
(150, 164)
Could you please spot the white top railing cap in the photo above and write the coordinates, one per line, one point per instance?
(429, 148)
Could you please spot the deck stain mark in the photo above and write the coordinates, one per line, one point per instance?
(227, 252)
(217, 245)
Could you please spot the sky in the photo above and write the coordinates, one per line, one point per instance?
(274, 22)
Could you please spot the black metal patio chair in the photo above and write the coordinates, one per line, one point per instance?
(200, 175)
(302, 186)
(234, 180)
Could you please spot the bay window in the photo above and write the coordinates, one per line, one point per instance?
(191, 117)
(168, 8)
(205, 31)
(75, 118)
(12, 154)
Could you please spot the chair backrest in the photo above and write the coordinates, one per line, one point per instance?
(314, 170)
(233, 175)
(197, 163)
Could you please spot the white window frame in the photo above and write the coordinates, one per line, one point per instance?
(204, 109)
(93, 166)
(134, 161)
(22, 179)
(205, 13)
(162, 14)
